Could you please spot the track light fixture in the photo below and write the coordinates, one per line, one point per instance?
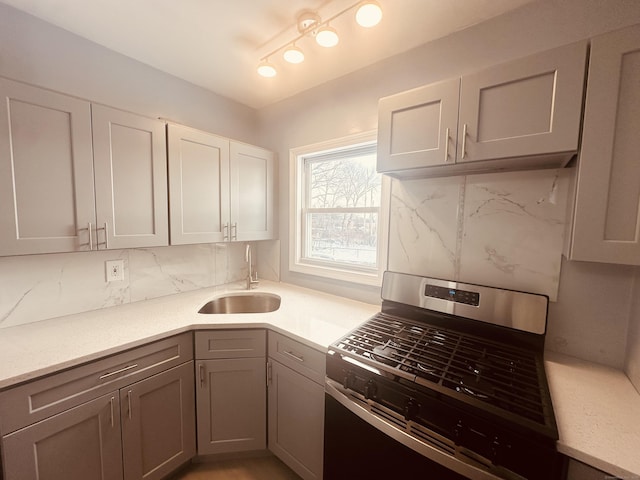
(368, 14)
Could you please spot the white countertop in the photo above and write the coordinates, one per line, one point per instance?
(40, 348)
(597, 408)
(598, 414)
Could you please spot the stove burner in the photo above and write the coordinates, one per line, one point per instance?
(386, 353)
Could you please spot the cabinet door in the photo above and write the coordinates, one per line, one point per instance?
(198, 186)
(523, 108)
(131, 179)
(46, 171)
(158, 423)
(231, 405)
(607, 214)
(418, 128)
(251, 188)
(296, 421)
(83, 442)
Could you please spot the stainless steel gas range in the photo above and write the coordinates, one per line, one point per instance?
(446, 382)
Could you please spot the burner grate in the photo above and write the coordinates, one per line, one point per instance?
(492, 372)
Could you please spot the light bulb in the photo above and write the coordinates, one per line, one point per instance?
(293, 54)
(327, 37)
(266, 69)
(369, 14)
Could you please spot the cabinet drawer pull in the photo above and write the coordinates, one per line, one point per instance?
(129, 403)
(299, 358)
(464, 140)
(225, 231)
(234, 231)
(116, 372)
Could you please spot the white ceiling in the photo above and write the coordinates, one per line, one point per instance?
(217, 44)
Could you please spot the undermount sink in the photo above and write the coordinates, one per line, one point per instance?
(242, 303)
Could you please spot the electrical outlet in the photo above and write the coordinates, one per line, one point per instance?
(114, 270)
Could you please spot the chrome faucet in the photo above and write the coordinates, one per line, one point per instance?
(251, 281)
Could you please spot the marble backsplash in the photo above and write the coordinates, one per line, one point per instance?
(505, 229)
(37, 287)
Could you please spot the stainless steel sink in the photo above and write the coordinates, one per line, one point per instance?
(242, 303)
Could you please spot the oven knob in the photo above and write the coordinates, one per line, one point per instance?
(370, 390)
(411, 409)
(458, 431)
(499, 451)
(349, 380)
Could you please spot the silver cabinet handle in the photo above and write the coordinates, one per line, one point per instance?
(116, 372)
(464, 141)
(111, 406)
(88, 229)
(299, 358)
(446, 145)
(106, 236)
(201, 375)
(225, 231)
(234, 231)
(268, 373)
(129, 403)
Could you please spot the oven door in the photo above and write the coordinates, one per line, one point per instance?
(365, 440)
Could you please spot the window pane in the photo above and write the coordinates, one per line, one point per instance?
(347, 238)
(344, 183)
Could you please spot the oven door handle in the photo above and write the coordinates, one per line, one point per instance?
(341, 395)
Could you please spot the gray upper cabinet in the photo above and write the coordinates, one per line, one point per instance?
(606, 225)
(53, 200)
(522, 114)
(46, 171)
(219, 190)
(251, 173)
(198, 186)
(418, 128)
(130, 160)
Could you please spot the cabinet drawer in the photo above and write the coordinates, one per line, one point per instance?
(34, 401)
(230, 344)
(299, 357)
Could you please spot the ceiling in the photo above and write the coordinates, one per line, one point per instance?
(217, 44)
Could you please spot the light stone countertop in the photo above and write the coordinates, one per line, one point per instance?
(40, 348)
(597, 408)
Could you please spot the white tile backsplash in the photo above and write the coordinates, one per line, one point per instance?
(37, 287)
(423, 226)
(504, 230)
(514, 227)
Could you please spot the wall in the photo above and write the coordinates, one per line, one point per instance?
(349, 105)
(42, 54)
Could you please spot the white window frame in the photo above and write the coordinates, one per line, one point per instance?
(325, 269)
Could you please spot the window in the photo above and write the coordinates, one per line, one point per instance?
(339, 218)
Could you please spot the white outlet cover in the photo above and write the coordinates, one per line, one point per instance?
(114, 270)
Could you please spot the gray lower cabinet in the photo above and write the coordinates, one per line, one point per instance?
(296, 405)
(230, 393)
(129, 416)
(158, 424)
(81, 443)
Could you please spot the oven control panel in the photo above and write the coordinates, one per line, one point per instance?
(452, 294)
